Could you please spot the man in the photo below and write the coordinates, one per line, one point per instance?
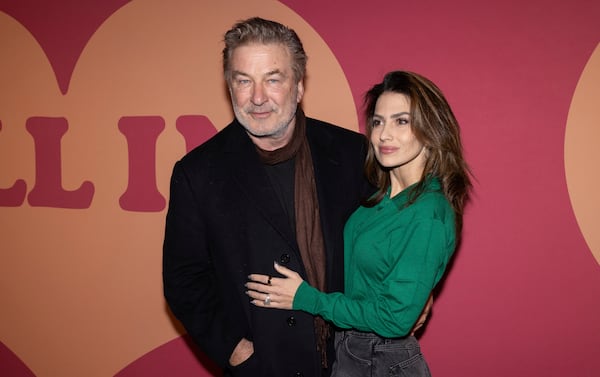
(271, 186)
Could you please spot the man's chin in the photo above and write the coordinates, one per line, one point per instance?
(262, 127)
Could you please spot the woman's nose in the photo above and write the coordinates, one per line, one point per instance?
(384, 133)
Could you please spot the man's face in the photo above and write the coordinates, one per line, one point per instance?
(264, 93)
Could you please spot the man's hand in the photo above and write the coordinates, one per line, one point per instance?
(242, 352)
(423, 317)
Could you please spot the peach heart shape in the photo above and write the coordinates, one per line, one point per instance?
(82, 290)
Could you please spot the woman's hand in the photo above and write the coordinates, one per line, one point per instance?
(271, 292)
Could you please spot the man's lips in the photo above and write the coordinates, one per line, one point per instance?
(260, 114)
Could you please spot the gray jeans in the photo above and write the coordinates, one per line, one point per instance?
(360, 354)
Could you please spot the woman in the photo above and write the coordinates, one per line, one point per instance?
(399, 242)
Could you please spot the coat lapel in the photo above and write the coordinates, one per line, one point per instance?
(327, 170)
(249, 174)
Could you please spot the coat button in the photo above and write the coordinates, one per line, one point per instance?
(298, 374)
(284, 258)
(291, 321)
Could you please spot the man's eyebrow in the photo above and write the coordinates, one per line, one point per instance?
(238, 73)
(270, 73)
(274, 72)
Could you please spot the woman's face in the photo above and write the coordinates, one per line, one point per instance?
(392, 138)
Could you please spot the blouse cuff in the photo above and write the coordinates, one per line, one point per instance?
(305, 298)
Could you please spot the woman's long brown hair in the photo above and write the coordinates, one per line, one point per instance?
(435, 126)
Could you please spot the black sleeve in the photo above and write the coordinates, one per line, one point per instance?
(189, 278)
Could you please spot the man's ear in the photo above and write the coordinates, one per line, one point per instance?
(300, 91)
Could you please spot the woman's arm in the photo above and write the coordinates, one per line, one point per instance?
(396, 303)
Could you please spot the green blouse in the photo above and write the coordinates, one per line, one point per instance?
(394, 257)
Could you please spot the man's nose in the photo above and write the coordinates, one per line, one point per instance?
(258, 95)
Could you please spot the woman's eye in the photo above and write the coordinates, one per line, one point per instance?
(375, 122)
(403, 121)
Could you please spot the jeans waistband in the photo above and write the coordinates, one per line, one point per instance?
(371, 335)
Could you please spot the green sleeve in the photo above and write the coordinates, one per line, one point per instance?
(422, 253)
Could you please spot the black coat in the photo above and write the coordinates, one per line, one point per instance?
(225, 222)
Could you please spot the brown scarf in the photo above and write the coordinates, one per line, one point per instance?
(309, 235)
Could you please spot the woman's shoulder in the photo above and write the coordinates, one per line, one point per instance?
(431, 202)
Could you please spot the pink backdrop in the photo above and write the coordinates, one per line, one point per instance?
(523, 295)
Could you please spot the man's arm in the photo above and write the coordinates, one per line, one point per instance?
(190, 281)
